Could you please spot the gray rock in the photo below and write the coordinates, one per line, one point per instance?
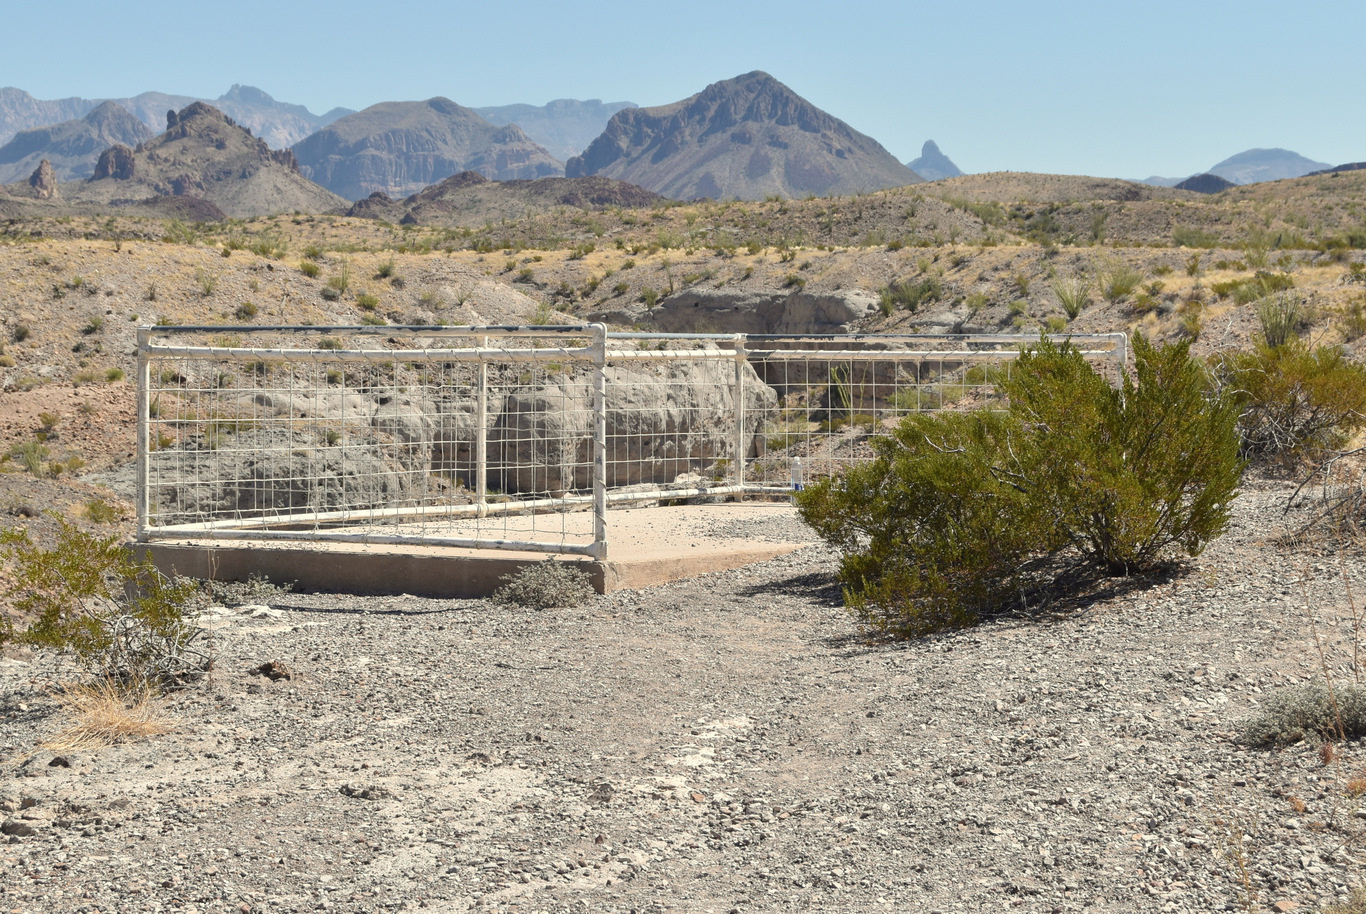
(762, 311)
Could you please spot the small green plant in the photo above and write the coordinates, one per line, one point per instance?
(20, 333)
(367, 301)
(310, 268)
(545, 585)
(48, 421)
(386, 269)
(120, 617)
(32, 456)
(93, 326)
(99, 511)
(245, 311)
(208, 282)
(329, 342)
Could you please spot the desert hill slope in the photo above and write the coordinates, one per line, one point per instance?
(204, 154)
(398, 148)
(71, 146)
(749, 137)
(471, 200)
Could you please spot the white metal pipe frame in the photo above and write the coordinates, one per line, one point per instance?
(517, 438)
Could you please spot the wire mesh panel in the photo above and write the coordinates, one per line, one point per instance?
(516, 438)
(381, 434)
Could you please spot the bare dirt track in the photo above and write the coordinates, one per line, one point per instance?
(725, 743)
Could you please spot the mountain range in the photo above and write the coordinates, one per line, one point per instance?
(71, 147)
(398, 148)
(204, 154)
(749, 137)
(1252, 166)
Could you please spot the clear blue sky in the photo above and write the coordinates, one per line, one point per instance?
(1120, 88)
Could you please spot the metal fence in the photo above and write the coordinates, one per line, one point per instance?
(515, 437)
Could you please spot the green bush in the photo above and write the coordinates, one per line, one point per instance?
(90, 596)
(1296, 402)
(952, 518)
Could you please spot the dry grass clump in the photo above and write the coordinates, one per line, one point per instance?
(107, 712)
(545, 585)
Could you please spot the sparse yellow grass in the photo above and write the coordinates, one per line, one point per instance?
(106, 713)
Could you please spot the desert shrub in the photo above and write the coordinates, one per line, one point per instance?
(1073, 294)
(1118, 280)
(545, 585)
(246, 311)
(1296, 402)
(90, 596)
(310, 268)
(1311, 712)
(958, 512)
(1281, 318)
(910, 294)
(386, 269)
(1187, 237)
(257, 588)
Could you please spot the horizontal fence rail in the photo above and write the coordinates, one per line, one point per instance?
(516, 437)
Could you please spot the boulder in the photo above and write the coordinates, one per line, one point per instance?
(762, 311)
(115, 162)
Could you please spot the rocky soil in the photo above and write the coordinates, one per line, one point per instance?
(727, 743)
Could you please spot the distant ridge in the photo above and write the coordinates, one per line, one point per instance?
(747, 138)
(1350, 166)
(564, 127)
(398, 148)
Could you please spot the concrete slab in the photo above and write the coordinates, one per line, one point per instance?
(646, 546)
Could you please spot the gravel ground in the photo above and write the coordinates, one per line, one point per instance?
(727, 743)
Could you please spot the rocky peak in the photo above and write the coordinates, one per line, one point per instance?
(44, 181)
(746, 137)
(933, 165)
(115, 162)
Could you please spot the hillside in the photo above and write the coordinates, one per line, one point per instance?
(470, 200)
(745, 138)
(204, 154)
(564, 127)
(398, 148)
(72, 147)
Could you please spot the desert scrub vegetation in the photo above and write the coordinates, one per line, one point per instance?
(962, 513)
(1296, 402)
(545, 585)
(1315, 711)
(88, 596)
